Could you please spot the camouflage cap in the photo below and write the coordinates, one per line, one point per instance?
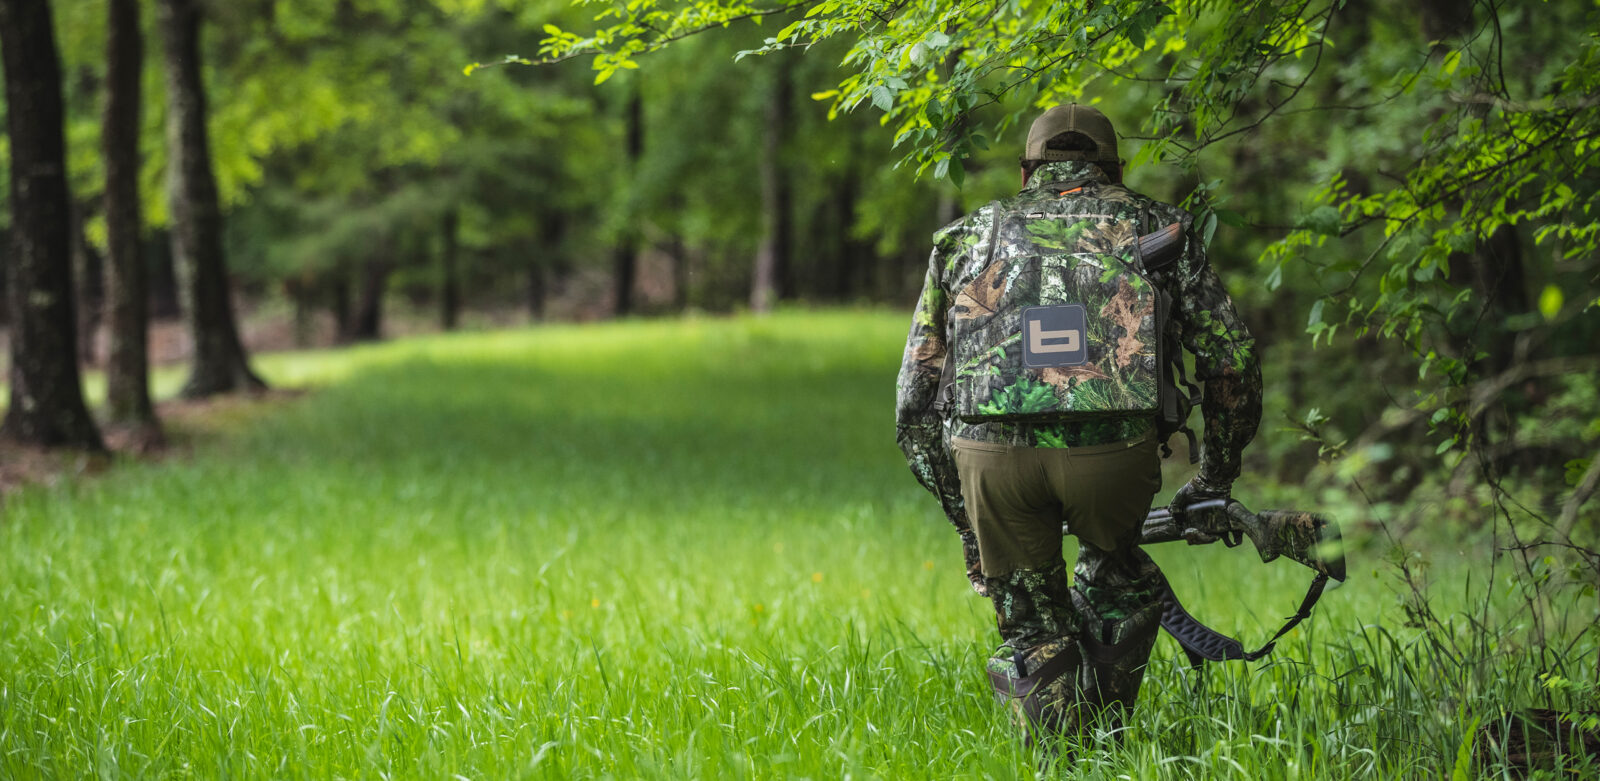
(1072, 118)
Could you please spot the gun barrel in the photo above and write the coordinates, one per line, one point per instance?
(1157, 513)
(1160, 525)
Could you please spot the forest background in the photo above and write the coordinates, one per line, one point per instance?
(1400, 198)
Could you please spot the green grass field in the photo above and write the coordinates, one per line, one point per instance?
(640, 550)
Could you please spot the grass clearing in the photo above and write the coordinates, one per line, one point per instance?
(639, 550)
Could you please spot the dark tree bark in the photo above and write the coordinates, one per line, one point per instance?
(5, 297)
(860, 256)
(46, 392)
(769, 283)
(449, 277)
(678, 258)
(368, 322)
(1496, 271)
(537, 291)
(339, 305)
(841, 271)
(1444, 19)
(220, 363)
(88, 271)
(624, 263)
(162, 277)
(298, 290)
(544, 262)
(1354, 25)
(127, 309)
(625, 258)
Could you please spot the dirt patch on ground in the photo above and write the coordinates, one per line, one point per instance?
(23, 465)
(185, 424)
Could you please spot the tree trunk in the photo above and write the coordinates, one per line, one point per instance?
(368, 325)
(769, 282)
(88, 269)
(678, 256)
(46, 393)
(1444, 19)
(625, 258)
(5, 297)
(220, 364)
(536, 291)
(298, 290)
(624, 262)
(858, 259)
(339, 305)
(127, 305)
(1501, 279)
(545, 264)
(160, 276)
(449, 278)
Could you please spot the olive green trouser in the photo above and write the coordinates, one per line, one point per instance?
(1018, 499)
(1077, 650)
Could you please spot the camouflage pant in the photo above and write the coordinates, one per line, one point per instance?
(1103, 626)
(1108, 612)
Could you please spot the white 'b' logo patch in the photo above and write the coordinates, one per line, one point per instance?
(1053, 336)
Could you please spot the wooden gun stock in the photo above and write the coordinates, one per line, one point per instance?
(1160, 249)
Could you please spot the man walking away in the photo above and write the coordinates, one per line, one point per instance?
(1042, 372)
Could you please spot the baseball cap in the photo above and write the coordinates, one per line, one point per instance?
(1071, 118)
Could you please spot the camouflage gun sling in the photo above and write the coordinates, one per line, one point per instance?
(1307, 538)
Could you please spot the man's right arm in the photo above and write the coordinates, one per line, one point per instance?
(1227, 365)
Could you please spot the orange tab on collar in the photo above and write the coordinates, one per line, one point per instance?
(1073, 190)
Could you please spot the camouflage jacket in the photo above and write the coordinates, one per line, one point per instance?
(1225, 356)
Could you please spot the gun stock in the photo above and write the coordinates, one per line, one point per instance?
(1161, 247)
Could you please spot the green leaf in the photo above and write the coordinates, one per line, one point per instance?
(1322, 220)
(1550, 302)
(1463, 767)
(1575, 470)
(1451, 61)
(882, 98)
(1231, 218)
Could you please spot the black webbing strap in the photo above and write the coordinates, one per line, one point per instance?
(1201, 643)
(1021, 685)
(1180, 377)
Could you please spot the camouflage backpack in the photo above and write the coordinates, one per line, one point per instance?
(1068, 322)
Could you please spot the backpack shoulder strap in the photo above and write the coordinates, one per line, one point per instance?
(943, 401)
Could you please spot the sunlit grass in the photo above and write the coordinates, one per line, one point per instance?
(683, 549)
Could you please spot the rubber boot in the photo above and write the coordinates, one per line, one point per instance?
(1040, 687)
(1115, 654)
